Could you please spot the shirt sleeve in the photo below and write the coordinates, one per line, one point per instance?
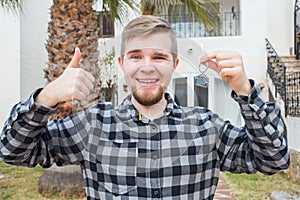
(261, 144)
(27, 139)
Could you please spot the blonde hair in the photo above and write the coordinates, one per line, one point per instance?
(146, 25)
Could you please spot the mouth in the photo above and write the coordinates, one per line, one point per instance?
(148, 84)
(147, 80)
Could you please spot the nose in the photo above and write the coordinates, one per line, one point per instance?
(147, 66)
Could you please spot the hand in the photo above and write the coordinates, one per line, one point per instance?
(74, 83)
(229, 65)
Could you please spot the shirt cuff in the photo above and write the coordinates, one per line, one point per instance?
(36, 113)
(252, 106)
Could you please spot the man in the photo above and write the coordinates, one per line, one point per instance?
(148, 147)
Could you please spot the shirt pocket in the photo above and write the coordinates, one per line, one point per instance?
(118, 165)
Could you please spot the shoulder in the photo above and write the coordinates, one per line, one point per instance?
(197, 113)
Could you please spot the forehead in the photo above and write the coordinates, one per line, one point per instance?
(160, 42)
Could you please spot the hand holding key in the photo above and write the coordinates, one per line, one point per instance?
(229, 65)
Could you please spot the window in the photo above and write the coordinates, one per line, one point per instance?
(181, 91)
(200, 95)
(216, 97)
(105, 24)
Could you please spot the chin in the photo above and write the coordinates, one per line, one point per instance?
(149, 97)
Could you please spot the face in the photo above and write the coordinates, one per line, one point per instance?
(148, 66)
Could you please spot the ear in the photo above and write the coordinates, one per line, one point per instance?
(176, 63)
(120, 62)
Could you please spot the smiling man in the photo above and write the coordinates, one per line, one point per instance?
(148, 147)
(148, 65)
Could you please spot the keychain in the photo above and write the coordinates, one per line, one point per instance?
(202, 79)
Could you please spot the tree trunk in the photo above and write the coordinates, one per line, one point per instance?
(73, 24)
(67, 181)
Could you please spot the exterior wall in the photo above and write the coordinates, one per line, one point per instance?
(34, 23)
(281, 25)
(22, 52)
(293, 127)
(10, 62)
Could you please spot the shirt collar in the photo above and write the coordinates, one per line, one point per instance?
(126, 109)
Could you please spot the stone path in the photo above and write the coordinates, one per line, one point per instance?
(223, 191)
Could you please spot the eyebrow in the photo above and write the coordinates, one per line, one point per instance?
(161, 54)
(158, 53)
(133, 51)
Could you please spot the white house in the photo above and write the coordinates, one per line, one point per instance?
(247, 24)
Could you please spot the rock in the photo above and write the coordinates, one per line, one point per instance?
(1, 177)
(284, 196)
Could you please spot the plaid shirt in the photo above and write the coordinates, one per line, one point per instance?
(127, 156)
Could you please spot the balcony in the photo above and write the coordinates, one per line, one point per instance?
(186, 27)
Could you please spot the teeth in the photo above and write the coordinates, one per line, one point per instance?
(147, 81)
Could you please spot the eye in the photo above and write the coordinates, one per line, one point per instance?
(159, 58)
(135, 57)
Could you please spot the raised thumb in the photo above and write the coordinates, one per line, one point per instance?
(76, 58)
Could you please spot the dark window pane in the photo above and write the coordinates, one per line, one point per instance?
(200, 95)
(181, 91)
(105, 24)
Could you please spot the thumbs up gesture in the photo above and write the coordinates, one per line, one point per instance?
(74, 83)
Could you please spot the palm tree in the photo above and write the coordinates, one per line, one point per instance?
(73, 24)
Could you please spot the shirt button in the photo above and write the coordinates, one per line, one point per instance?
(155, 193)
(154, 157)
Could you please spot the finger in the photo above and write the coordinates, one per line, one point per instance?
(210, 56)
(76, 58)
(229, 63)
(86, 79)
(221, 55)
(83, 89)
(79, 92)
(209, 59)
(228, 73)
(87, 84)
(78, 95)
(212, 65)
(89, 76)
(83, 74)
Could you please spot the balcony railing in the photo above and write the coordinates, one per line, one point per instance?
(285, 76)
(185, 26)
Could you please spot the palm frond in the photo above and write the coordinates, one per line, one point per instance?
(118, 9)
(206, 11)
(11, 5)
(160, 6)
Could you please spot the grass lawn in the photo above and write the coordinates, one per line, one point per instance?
(22, 183)
(259, 186)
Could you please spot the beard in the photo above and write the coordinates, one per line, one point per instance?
(148, 98)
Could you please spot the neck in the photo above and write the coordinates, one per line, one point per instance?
(151, 112)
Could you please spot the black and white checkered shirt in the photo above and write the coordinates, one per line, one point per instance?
(127, 156)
